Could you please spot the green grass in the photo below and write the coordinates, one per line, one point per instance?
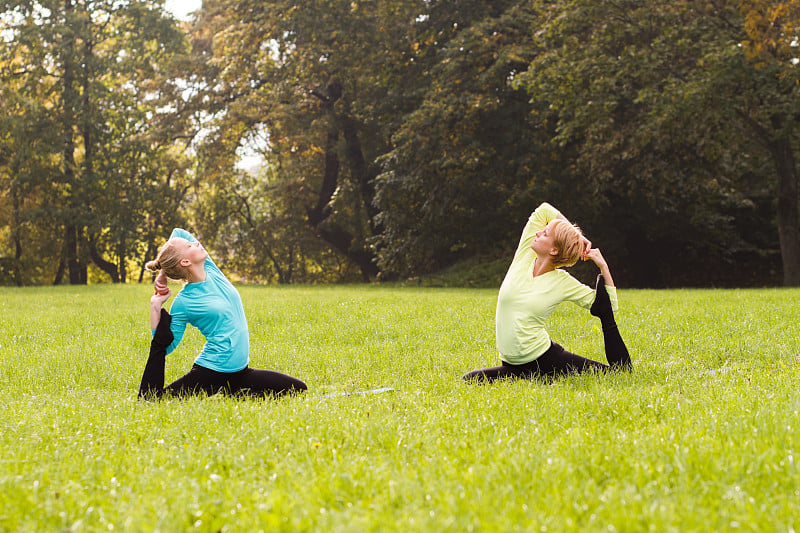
(670, 447)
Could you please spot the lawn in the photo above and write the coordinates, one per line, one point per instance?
(702, 436)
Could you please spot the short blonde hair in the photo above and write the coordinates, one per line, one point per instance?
(168, 260)
(567, 239)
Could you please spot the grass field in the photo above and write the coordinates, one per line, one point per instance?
(703, 436)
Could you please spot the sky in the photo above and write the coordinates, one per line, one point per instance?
(182, 8)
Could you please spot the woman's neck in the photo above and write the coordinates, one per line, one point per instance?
(542, 265)
(195, 273)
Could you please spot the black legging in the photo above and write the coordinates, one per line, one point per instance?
(199, 380)
(557, 361)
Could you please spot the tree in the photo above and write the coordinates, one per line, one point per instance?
(771, 48)
(90, 68)
(674, 106)
(468, 162)
(26, 165)
(315, 77)
(330, 81)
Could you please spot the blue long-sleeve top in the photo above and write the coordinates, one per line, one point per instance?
(215, 308)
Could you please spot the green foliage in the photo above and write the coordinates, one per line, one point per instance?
(324, 80)
(91, 164)
(258, 235)
(701, 436)
(674, 123)
(475, 272)
(467, 161)
(397, 138)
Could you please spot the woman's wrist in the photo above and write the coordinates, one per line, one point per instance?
(606, 272)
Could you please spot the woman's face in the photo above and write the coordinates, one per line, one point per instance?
(193, 251)
(543, 243)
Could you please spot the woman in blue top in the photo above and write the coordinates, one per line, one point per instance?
(212, 304)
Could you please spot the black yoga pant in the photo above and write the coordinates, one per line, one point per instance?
(557, 361)
(249, 381)
(201, 380)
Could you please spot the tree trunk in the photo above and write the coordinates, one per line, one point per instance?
(330, 179)
(290, 267)
(148, 255)
(122, 266)
(17, 265)
(343, 241)
(62, 266)
(788, 220)
(77, 270)
(339, 238)
(359, 168)
(106, 266)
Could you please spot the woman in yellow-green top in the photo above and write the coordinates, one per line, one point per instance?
(534, 285)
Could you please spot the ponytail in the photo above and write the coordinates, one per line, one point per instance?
(168, 260)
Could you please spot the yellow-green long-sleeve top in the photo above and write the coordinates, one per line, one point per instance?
(525, 302)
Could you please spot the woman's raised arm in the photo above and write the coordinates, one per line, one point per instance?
(598, 259)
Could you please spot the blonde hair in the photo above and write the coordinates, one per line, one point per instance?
(567, 239)
(168, 260)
